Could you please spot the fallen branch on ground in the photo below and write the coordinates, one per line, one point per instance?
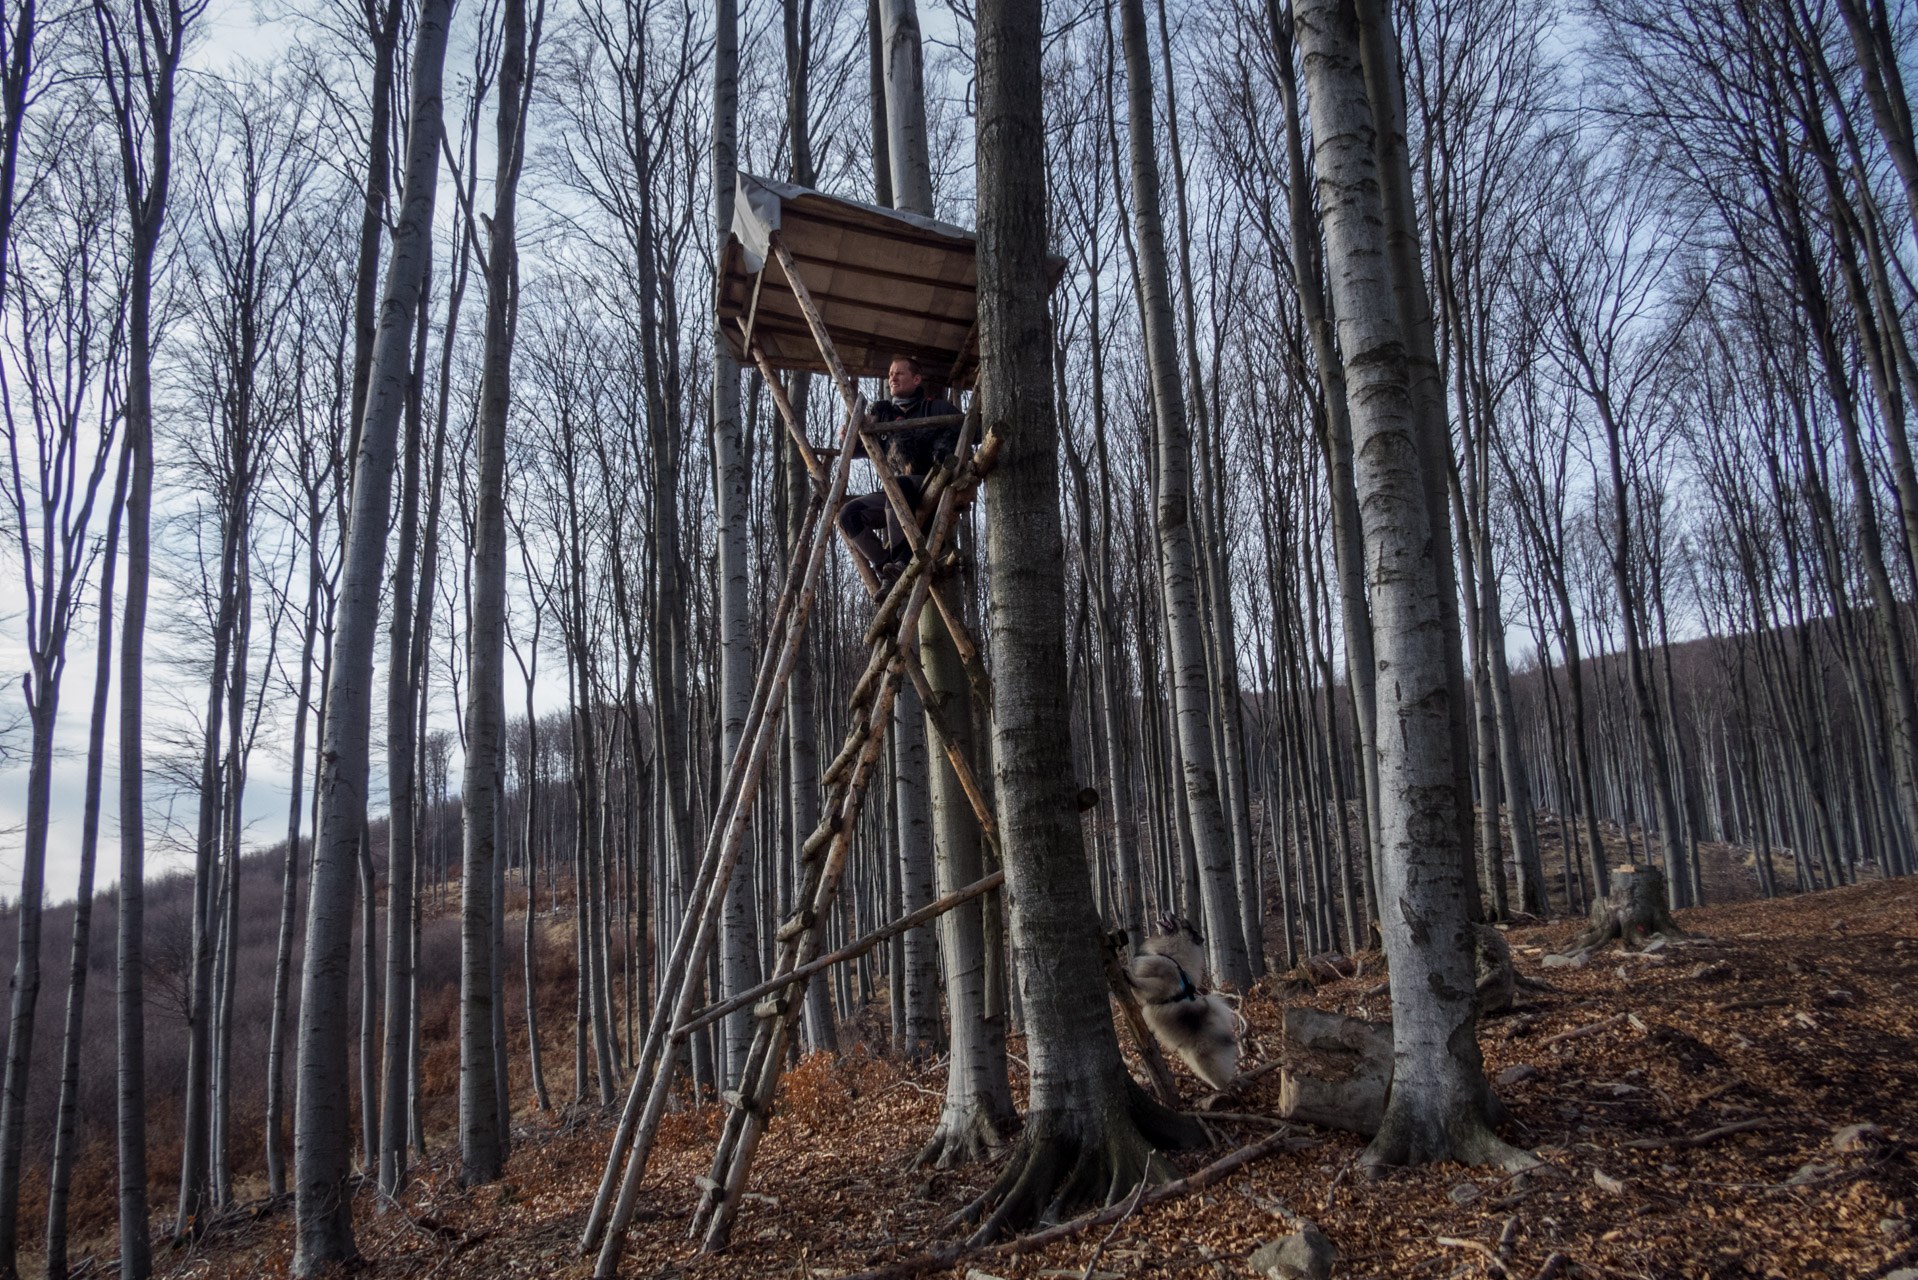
(1241, 1117)
(1553, 1265)
(1761, 1002)
(1709, 1136)
(1495, 1263)
(1593, 1029)
(940, 1258)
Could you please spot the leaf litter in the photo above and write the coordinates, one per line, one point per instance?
(1743, 1103)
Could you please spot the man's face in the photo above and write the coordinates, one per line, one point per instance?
(902, 379)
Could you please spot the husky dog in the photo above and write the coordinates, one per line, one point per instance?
(1201, 1028)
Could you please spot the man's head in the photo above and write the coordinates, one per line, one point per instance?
(903, 377)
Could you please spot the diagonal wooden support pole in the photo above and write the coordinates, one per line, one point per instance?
(825, 853)
(851, 951)
(723, 847)
(751, 1106)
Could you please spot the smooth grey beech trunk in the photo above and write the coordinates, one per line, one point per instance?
(732, 482)
(1178, 558)
(1091, 1131)
(1379, 57)
(1440, 1104)
(142, 106)
(59, 1177)
(900, 125)
(978, 1108)
(913, 823)
(323, 1210)
(483, 1129)
(1335, 446)
(905, 80)
(290, 863)
(978, 1111)
(401, 852)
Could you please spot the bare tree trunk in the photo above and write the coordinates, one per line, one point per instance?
(912, 820)
(1440, 1106)
(324, 1233)
(1178, 561)
(59, 1177)
(1091, 1132)
(143, 105)
(401, 855)
(483, 1139)
(732, 476)
(1335, 444)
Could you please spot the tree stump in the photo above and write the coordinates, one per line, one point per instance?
(1634, 912)
(1337, 1071)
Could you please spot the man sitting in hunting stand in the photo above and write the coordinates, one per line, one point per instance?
(913, 452)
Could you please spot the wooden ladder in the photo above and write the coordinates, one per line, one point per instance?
(893, 659)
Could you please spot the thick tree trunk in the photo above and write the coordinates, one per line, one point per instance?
(324, 1232)
(905, 81)
(1385, 85)
(1335, 445)
(1091, 1130)
(912, 820)
(978, 1110)
(1440, 1107)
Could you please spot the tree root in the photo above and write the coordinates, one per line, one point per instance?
(1065, 1162)
(961, 1139)
(1466, 1138)
(944, 1257)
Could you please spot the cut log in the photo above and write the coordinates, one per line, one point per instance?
(1337, 1070)
(1634, 912)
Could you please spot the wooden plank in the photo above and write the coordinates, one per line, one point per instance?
(880, 345)
(891, 231)
(877, 273)
(752, 312)
(847, 390)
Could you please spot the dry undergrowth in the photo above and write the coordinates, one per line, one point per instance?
(1794, 1020)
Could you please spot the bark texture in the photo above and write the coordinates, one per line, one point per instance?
(1091, 1132)
(1440, 1106)
(321, 1142)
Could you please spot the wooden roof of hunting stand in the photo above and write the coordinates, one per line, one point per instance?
(856, 285)
(885, 283)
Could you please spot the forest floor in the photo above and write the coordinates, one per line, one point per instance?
(1688, 1130)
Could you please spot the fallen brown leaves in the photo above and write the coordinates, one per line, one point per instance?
(1694, 1141)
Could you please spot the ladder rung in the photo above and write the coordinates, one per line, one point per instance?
(771, 1007)
(874, 673)
(707, 1185)
(821, 836)
(847, 755)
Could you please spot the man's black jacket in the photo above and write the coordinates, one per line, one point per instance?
(916, 452)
